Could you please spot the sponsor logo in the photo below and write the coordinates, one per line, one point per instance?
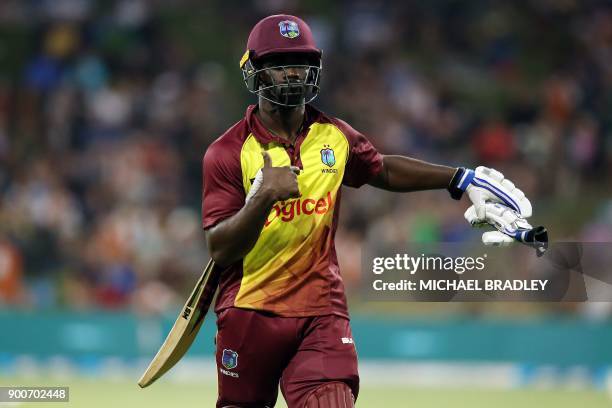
(229, 373)
(289, 29)
(286, 211)
(347, 340)
(327, 156)
(229, 359)
(186, 313)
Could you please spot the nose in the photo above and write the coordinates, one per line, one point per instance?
(293, 72)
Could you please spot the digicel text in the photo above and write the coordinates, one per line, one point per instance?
(288, 210)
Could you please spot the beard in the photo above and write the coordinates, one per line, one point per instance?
(292, 93)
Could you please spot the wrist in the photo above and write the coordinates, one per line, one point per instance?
(267, 196)
(459, 182)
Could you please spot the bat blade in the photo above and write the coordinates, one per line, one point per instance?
(185, 329)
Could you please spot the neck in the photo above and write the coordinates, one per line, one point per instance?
(283, 121)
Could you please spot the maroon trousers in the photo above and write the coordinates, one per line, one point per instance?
(257, 350)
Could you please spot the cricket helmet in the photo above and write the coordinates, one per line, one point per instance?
(275, 36)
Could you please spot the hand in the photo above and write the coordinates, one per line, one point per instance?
(510, 225)
(280, 183)
(488, 185)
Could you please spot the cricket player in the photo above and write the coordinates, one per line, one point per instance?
(271, 199)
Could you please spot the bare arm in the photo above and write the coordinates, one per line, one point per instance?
(233, 238)
(403, 174)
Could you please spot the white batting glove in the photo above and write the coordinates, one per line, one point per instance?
(255, 185)
(510, 225)
(485, 185)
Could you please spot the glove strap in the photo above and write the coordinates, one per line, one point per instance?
(460, 181)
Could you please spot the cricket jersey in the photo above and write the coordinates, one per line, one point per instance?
(292, 270)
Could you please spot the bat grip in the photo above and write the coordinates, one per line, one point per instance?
(536, 237)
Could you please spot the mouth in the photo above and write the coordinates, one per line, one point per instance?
(291, 91)
(294, 88)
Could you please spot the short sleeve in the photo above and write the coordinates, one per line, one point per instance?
(364, 161)
(222, 193)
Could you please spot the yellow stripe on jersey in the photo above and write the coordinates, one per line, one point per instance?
(293, 242)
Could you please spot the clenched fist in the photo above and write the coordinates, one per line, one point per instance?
(279, 183)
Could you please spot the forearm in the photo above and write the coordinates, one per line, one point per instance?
(234, 237)
(405, 174)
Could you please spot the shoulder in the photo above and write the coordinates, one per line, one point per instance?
(352, 135)
(226, 148)
(231, 140)
(347, 130)
(358, 143)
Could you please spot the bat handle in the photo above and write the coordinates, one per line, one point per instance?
(536, 237)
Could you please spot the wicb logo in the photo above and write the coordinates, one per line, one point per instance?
(229, 359)
(289, 29)
(327, 156)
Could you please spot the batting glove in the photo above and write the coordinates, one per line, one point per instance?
(485, 185)
(255, 186)
(510, 225)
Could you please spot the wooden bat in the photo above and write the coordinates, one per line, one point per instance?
(185, 329)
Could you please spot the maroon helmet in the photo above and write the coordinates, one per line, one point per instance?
(282, 43)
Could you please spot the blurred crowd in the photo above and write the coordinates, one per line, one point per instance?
(106, 108)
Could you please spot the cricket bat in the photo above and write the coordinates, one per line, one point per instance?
(185, 329)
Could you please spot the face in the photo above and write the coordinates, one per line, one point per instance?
(288, 78)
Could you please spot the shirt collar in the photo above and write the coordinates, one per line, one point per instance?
(263, 135)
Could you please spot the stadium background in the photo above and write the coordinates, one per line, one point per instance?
(106, 108)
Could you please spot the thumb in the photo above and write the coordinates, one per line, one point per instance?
(267, 160)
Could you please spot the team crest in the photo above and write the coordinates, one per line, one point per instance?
(327, 156)
(289, 29)
(229, 359)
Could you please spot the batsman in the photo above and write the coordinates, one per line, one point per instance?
(271, 199)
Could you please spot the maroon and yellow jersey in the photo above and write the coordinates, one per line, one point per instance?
(292, 270)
